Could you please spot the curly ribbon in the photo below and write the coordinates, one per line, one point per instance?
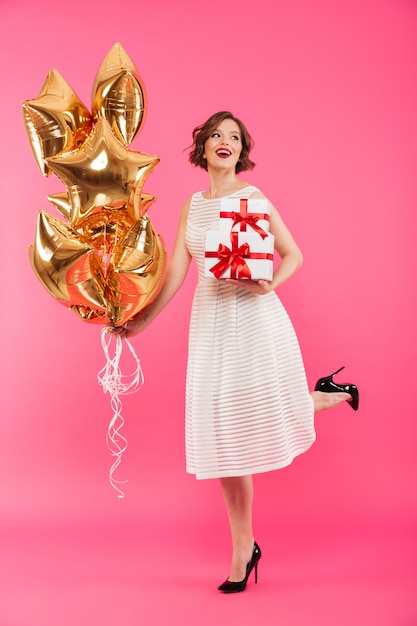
(234, 258)
(244, 219)
(114, 382)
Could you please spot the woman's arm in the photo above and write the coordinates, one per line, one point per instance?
(289, 252)
(174, 278)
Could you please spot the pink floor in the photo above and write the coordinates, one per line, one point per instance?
(160, 574)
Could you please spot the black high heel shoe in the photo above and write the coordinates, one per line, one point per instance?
(234, 587)
(327, 385)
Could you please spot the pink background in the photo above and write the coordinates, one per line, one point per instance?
(328, 91)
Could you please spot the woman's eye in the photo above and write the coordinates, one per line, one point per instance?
(235, 137)
(215, 135)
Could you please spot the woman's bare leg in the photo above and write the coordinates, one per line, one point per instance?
(238, 497)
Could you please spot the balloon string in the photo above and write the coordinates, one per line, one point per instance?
(114, 382)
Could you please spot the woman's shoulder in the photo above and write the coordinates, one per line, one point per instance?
(249, 191)
(197, 195)
(193, 202)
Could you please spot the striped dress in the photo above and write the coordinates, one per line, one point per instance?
(248, 408)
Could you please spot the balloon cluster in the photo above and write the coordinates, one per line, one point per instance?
(105, 261)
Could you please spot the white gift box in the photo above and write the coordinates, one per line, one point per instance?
(242, 255)
(246, 215)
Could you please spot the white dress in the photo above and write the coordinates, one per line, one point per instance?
(248, 407)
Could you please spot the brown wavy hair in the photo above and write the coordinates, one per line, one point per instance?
(202, 133)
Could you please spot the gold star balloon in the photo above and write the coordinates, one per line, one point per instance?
(104, 171)
(105, 262)
(66, 265)
(56, 121)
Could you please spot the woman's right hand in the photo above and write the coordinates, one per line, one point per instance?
(130, 328)
(120, 331)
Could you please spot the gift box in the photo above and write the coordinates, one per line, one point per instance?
(245, 215)
(241, 255)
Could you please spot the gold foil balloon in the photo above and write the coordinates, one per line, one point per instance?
(118, 95)
(139, 266)
(56, 121)
(70, 209)
(61, 202)
(65, 265)
(105, 261)
(104, 171)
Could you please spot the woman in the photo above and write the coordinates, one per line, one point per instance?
(248, 408)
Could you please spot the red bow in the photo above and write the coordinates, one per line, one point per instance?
(234, 258)
(231, 257)
(245, 219)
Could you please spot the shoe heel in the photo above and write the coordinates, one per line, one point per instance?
(256, 573)
(336, 372)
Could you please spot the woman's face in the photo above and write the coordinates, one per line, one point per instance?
(222, 149)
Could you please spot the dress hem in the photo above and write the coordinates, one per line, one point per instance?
(248, 472)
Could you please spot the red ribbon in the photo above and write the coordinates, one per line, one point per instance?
(246, 219)
(234, 258)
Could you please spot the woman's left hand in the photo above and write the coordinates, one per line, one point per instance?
(259, 287)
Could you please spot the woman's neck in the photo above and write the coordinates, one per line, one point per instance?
(223, 183)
